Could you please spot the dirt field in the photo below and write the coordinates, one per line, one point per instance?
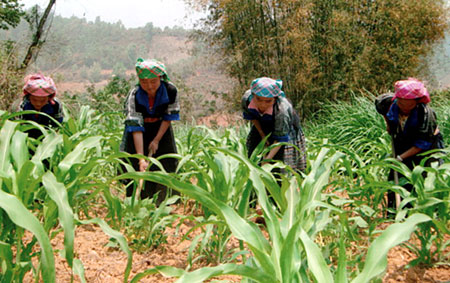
(104, 264)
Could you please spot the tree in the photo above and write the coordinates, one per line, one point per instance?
(12, 71)
(323, 49)
(10, 13)
(38, 26)
(10, 79)
(149, 31)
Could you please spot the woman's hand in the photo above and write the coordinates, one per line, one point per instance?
(153, 147)
(143, 164)
(272, 152)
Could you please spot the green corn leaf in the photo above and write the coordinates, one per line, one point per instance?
(442, 224)
(261, 181)
(241, 227)
(35, 125)
(78, 269)
(243, 230)
(316, 262)
(341, 274)
(288, 250)
(205, 273)
(19, 149)
(26, 183)
(45, 150)
(58, 193)
(25, 219)
(167, 271)
(192, 247)
(376, 259)
(20, 113)
(292, 197)
(6, 259)
(77, 155)
(48, 147)
(6, 133)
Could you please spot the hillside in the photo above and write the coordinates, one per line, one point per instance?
(78, 53)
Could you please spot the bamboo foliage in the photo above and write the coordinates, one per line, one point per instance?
(322, 49)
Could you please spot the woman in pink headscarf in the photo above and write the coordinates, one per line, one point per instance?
(411, 123)
(39, 95)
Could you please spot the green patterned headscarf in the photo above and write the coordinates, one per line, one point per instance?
(149, 69)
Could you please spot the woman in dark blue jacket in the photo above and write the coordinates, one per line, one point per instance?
(150, 109)
(411, 123)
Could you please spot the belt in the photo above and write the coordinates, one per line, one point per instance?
(151, 120)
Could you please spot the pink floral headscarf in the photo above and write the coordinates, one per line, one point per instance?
(39, 85)
(411, 89)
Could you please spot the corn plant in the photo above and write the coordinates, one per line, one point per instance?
(430, 197)
(221, 175)
(145, 223)
(357, 187)
(39, 189)
(17, 185)
(290, 254)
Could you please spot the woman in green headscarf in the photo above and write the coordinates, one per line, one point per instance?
(150, 108)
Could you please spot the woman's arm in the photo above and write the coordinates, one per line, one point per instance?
(138, 139)
(414, 150)
(154, 144)
(272, 152)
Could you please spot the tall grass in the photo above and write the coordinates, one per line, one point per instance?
(354, 125)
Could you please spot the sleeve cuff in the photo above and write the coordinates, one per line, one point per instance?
(131, 129)
(424, 145)
(171, 117)
(281, 138)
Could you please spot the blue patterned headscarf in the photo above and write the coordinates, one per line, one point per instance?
(267, 87)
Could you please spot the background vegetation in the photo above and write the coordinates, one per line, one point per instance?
(324, 49)
(82, 56)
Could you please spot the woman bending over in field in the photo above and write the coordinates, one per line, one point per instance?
(39, 95)
(150, 109)
(271, 113)
(411, 123)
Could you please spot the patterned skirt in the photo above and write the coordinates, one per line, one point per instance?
(296, 158)
(293, 154)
